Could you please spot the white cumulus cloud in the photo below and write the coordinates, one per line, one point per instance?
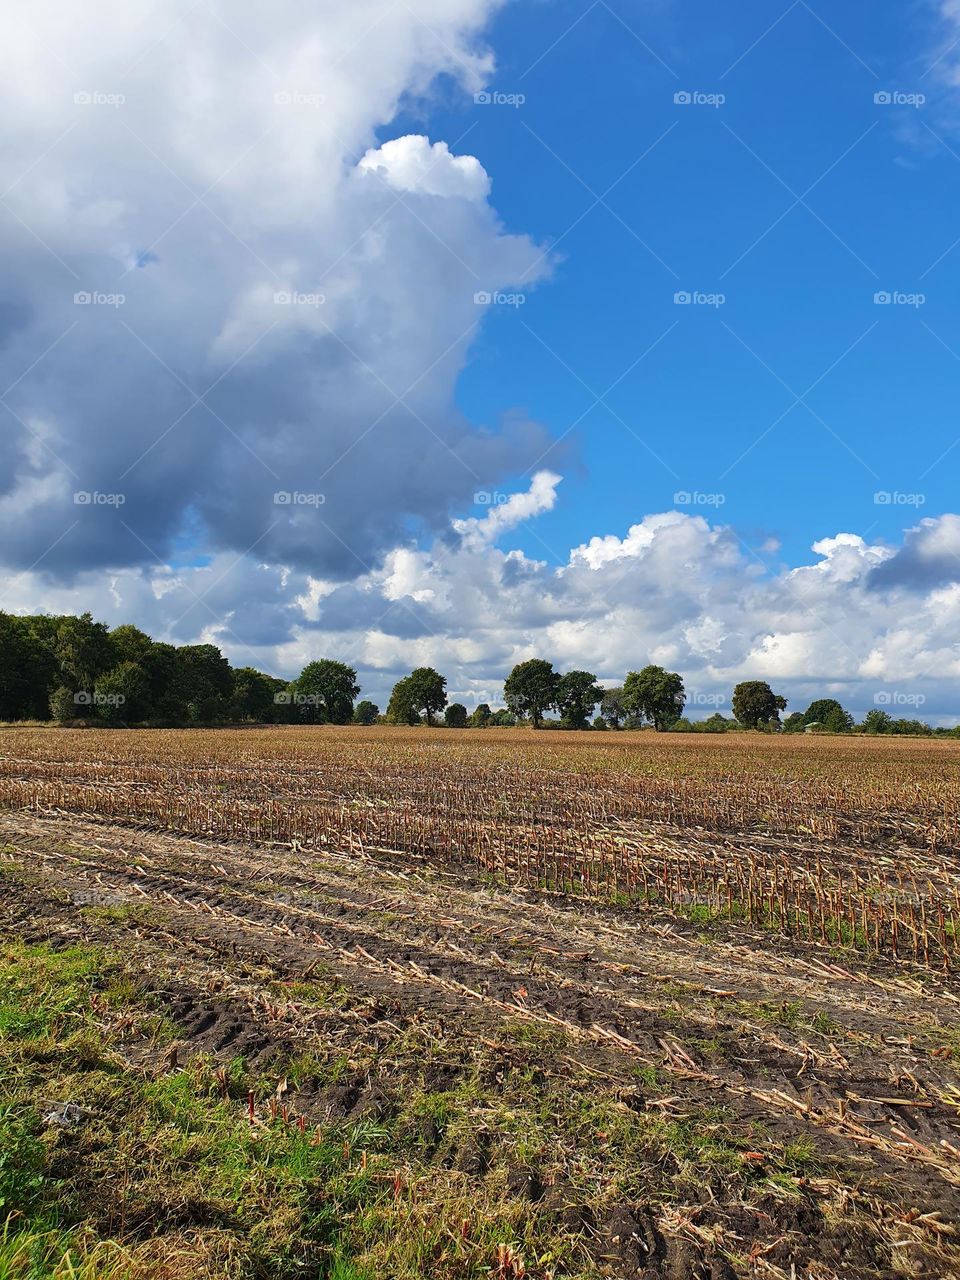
(680, 591)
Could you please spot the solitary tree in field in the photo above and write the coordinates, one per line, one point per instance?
(828, 713)
(455, 716)
(656, 695)
(428, 690)
(401, 708)
(613, 709)
(330, 688)
(366, 712)
(756, 706)
(481, 717)
(577, 694)
(531, 689)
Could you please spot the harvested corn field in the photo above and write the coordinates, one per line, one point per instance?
(849, 840)
(387, 1003)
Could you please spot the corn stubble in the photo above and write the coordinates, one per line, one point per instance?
(849, 841)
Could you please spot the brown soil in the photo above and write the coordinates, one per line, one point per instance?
(858, 1056)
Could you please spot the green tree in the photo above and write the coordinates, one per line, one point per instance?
(122, 696)
(167, 695)
(281, 711)
(401, 708)
(325, 691)
(130, 644)
(204, 682)
(42, 656)
(44, 673)
(828, 713)
(613, 709)
(18, 691)
(62, 706)
(84, 651)
(577, 694)
(366, 712)
(481, 717)
(654, 694)
(715, 724)
(455, 716)
(756, 706)
(253, 695)
(913, 728)
(531, 689)
(502, 718)
(877, 721)
(794, 723)
(428, 691)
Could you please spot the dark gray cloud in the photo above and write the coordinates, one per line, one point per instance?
(218, 292)
(929, 558)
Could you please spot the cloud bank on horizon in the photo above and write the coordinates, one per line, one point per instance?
(674, 590)
(232, 324)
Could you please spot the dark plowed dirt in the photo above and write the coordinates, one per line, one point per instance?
(857, 1057)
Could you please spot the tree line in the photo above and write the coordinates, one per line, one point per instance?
(68, 669)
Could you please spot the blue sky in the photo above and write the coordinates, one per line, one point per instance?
(714, 399)
(247, 395)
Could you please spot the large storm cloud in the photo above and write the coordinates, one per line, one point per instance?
(219, 288)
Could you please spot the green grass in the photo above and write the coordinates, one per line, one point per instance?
(22, 1160)
(146, 1153)
(59, 1255)
(164, 1176)
(126, 913)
